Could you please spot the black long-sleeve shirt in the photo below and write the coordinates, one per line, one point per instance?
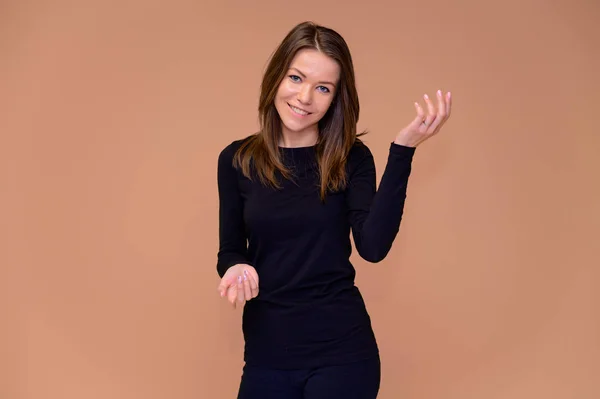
(309, 312)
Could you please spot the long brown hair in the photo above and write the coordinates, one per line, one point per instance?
(337, 128)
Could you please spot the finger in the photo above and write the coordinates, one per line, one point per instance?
(247, 291)
(420, 111)
(254, 274)
(437, 123)
(441, 112)
(442, 116)
(418, 121)
(240, 291)
(223, 286)
(431, 111)
(232, 293)
(252, 283)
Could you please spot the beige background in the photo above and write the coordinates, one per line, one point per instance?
(112, 118)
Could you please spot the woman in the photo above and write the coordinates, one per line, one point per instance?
(289, 197)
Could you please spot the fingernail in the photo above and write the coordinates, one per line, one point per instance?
(245, 277)
(245, 272)
(426, 97)
(439, 92)
(239, 279)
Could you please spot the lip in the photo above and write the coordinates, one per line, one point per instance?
(294, 112)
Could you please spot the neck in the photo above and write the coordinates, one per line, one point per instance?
(298, 139)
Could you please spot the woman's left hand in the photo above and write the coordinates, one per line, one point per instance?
(425, 126)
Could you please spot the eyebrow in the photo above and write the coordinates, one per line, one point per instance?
(304, 76)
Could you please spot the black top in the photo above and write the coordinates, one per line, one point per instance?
(308, 311)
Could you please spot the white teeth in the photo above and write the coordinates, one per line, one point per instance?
(298, 110)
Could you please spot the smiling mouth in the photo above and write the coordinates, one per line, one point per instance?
(298, 111)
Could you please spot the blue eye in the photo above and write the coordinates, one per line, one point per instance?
(297, 79)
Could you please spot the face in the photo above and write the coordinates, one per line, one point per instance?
(306, 92)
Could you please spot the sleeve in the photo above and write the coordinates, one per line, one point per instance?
(375, 215)
(232, 237)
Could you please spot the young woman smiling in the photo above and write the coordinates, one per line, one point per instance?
(290, 197)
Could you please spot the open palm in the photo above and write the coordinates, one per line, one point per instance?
(239, 284)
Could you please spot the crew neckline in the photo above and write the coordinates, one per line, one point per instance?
(306, 147)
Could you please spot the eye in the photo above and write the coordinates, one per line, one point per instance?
(295, 78)
(323, 89)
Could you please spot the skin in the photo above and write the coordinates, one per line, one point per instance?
(310, 85)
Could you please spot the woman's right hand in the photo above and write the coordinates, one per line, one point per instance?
(239, 284)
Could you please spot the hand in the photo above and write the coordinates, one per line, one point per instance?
(239, 284)
(423, 127)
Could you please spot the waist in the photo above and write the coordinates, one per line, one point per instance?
(321, 332)
(288, 323)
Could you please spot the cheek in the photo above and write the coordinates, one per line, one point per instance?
(325, 104)
(285, 91)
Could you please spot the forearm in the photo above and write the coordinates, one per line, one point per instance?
(377, 229)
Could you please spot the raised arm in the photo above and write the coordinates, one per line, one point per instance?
(375, 215)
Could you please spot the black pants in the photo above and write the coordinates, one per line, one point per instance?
(358, 380)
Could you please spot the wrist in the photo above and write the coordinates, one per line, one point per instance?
(404, 142)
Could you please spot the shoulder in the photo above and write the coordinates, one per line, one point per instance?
(360, 160)
(228, 152)
(360, 150)
(359, 154)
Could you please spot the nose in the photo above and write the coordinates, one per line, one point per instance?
(305, 94)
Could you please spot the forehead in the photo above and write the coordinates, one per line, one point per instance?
(316, 65)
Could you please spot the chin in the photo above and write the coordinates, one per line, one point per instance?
(295, 127)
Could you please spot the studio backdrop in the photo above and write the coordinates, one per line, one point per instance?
(112, 118)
